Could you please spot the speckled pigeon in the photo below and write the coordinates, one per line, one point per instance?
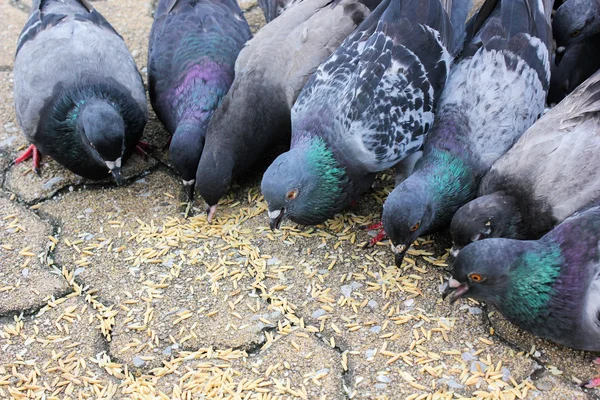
(193, 48)
(495, 92)
(551, 172)
(79, 97)
(270, 72)
(366, 108)
(549, 287)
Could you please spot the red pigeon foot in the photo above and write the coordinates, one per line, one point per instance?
(31, 151)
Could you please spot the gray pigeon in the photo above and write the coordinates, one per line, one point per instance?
(270, 72)
(549, 287)
(191, 58)
(573, 66)
(79, 97)
(550, 173)
(576, 20)
(495, 92)
(368, 107)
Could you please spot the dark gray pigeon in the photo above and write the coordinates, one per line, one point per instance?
(576, 20)
(270, 72)
(192, 53)
(273, 8)
(495, 92)
(550, 173)
(78, 94)
(549, 287)
(573, 66)
(367, 108)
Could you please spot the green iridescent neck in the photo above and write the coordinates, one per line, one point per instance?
(450, 179)
(329, 175)
(532, 282)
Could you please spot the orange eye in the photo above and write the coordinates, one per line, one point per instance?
(475, 278)
(292, 194)
(575, 34)
(415, 227)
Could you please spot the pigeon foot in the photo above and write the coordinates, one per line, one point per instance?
(31, 152)
(593, 383)
(141, 148)
(380, 234)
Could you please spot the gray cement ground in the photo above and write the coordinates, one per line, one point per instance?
(109, 292)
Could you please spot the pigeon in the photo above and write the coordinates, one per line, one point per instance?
(270, 72)
(274, 8)
(576, 20)
(367, 108)
(192, 53)
(494, 93)
(551, 172)
(577, 63)
(79, 97)
(549, 287)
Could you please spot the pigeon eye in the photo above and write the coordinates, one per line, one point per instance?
(575, 33)
(475, 278)
(292, 194)
(415, 227)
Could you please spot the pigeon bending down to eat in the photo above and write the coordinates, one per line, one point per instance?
(495, 92)
(79, 97)
(192, 53)
(550, 173)
(366, 108)
(577, 63)
(549, 287)
(270, 72)
(273, 8)
(575, 21)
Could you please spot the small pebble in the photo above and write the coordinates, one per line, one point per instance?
(138, 362)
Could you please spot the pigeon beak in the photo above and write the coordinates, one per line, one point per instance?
(210, 213)
(116, 173)
(189, 188)
(399, 252)
(276, 218)
(455, 289)
(454, 251)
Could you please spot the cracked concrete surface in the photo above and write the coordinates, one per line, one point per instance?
(110, 292)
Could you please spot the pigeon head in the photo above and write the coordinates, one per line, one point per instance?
(407, 214)
(104, 131)
(185, 151)
(303, 184)
(575, 20)
(482, 270)
(213, 176)
(493, 215)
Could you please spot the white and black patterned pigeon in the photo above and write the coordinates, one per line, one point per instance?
(550, 173)
(270, 72)
(366, 108)
(192, 53)
(549, 287)
(495, 92)
(79, 97)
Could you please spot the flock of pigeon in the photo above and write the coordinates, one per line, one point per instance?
(355, 87)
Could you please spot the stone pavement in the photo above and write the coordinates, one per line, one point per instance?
(110, 292)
